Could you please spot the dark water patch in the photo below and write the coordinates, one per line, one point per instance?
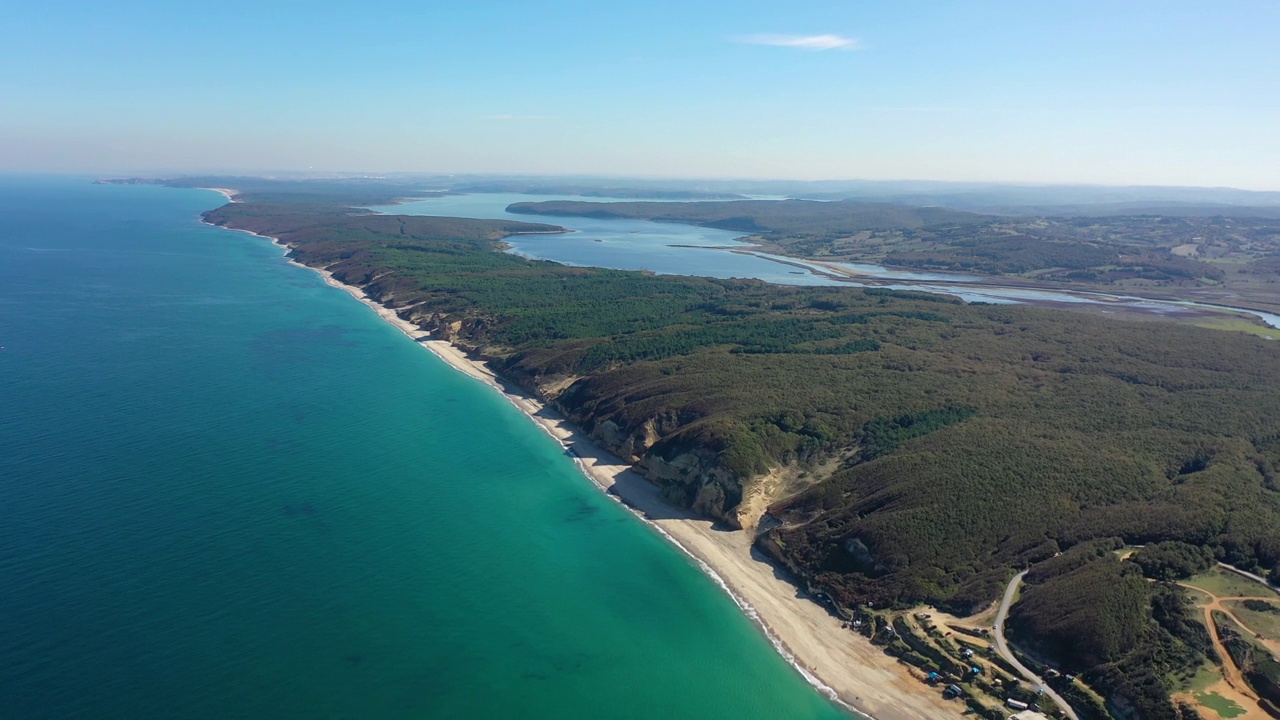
(582, 512)
(301, 509)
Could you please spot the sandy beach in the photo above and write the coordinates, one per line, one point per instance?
(843, 665)
(846, 666)
(228, 193)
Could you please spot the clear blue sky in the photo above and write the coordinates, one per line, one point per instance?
(1115, 92)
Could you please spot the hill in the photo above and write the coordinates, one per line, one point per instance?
(776, 217)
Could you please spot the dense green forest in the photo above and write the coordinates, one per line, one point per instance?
(1097, 616)
(940, 445)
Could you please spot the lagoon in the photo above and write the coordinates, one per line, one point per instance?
(677, 249)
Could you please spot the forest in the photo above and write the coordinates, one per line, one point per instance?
(1097, 616)
(939, 445)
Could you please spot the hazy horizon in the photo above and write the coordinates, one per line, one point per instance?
(162, 173)
(1177, 94)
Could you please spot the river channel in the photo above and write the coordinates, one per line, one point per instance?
(677, 249)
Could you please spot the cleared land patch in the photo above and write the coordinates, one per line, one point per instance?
(1226, 584)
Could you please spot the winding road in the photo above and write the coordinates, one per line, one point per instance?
(1247, 575)
(1002, 647)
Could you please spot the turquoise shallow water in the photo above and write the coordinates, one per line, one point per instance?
(229, 490)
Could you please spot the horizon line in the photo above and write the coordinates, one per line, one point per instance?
(375, 175)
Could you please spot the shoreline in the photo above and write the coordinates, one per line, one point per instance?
(1098, 298)
(227, 193)
(842, 665)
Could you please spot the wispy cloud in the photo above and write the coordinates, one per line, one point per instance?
(510, 116)
(803, 42)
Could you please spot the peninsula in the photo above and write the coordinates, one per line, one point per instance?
(884, 450)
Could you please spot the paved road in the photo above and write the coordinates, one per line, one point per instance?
(1002, 647)
(1256, 578)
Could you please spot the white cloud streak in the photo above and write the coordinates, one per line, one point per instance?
(803, 42)
(510, 116)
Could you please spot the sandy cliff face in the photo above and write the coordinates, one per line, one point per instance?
(693, 477)
(689, 474)
(627, 444)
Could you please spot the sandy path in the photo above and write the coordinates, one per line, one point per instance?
(1230, 672)
(1233, 685)
(843, 665)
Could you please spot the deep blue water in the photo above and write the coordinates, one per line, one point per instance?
(230, 491)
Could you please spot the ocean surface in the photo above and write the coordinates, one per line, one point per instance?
(228, 490)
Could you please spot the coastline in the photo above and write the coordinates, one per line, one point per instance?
(227, 193)
(841, 664)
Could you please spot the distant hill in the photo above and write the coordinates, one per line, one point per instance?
(354, 191)
(985, 197)
(594, 190)
(1061, 199)
(789, 217)
(990, 198)
(1168, 209)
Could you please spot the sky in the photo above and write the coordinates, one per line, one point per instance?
(1166, 92)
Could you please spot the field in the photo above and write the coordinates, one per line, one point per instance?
(1222, 706)
(1226, 584)
(1265, 623)
(1208, 693)
(1239, 324)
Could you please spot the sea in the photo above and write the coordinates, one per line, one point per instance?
(228, 490)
